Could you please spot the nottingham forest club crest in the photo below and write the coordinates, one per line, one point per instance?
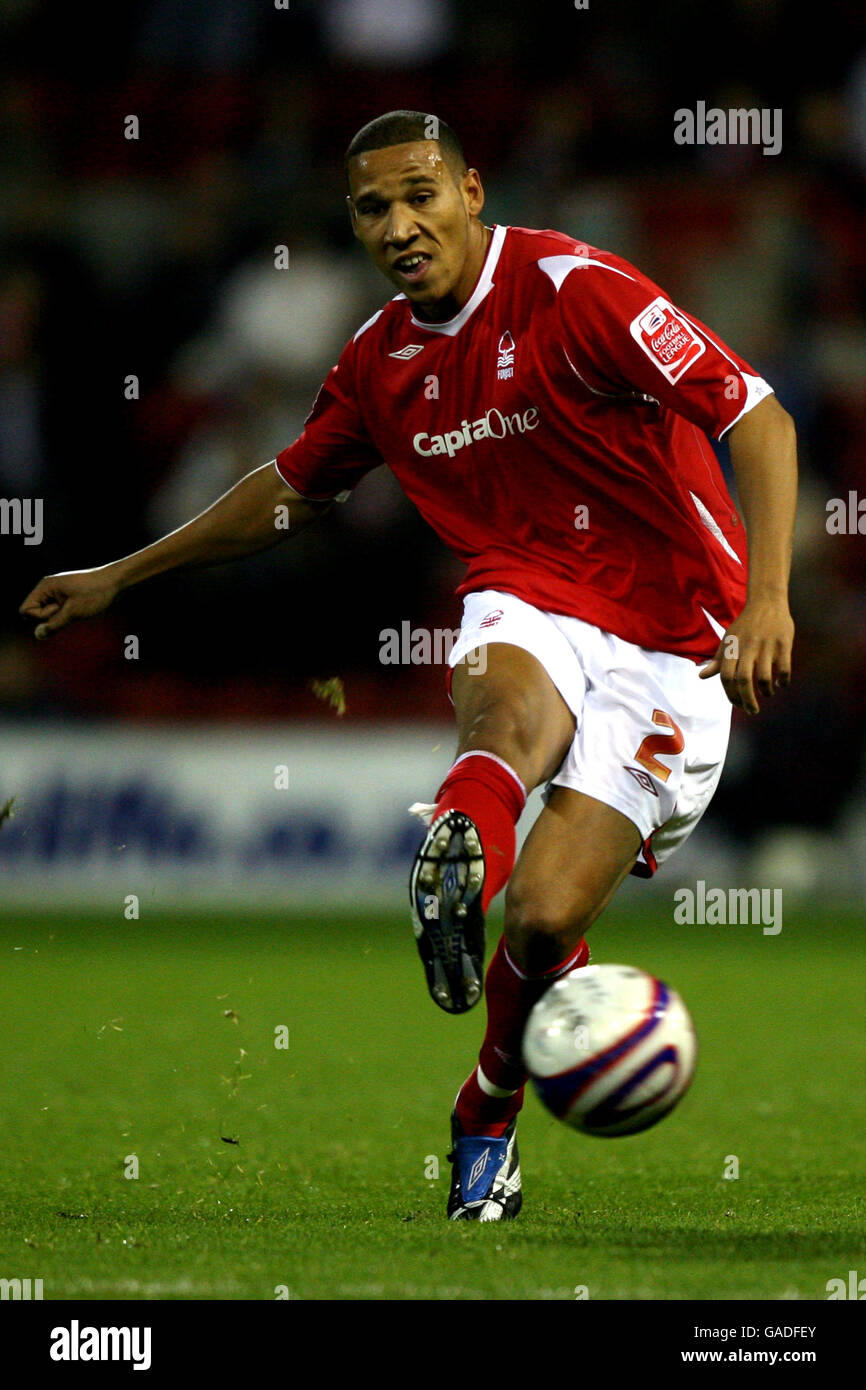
(505, 360)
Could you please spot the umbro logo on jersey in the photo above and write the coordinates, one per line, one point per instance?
(408, 351)
(505, 360)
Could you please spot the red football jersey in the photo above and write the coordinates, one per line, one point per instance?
(554, 435)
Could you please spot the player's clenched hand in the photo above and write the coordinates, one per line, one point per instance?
(59, 598)
(754, 655)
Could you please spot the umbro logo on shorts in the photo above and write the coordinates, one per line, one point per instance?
(642, 778)
(408, 351)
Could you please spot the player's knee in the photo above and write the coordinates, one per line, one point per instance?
(540, 932)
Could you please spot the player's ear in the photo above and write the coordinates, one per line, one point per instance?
(353, 216)
(473, 193)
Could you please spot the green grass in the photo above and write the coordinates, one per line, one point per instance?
(116, 1042)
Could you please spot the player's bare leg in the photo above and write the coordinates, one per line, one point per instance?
(575, 858)
(506, 703)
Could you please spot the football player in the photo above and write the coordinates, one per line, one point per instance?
(547, 408)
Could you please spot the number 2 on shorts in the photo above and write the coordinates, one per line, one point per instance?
(670, 744)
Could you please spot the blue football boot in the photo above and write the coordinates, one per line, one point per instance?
(485, 1181)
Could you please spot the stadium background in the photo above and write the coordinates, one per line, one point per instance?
(155, 257)
(148, 787)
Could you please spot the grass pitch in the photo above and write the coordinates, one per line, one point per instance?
(150, 1047)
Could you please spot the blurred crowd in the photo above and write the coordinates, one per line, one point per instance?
(151, 354)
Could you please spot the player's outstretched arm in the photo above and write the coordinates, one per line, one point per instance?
(756, 650)
(256, 513)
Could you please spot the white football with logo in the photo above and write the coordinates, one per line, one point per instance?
(610, 1050)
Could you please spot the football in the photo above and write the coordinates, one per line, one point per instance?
(610, 1050)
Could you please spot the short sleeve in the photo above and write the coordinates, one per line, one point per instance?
(333, 452)
(621, 333)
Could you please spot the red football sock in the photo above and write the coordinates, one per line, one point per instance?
(491, 1097)
(484, 787)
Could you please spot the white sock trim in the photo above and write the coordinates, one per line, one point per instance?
(498, 1092)
(564, 969)
(482, 753)
(518, 972)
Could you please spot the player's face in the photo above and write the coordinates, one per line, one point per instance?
(419, 223)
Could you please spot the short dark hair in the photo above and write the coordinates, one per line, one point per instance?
(404, 127)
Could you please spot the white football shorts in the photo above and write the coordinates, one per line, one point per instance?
(651, 736)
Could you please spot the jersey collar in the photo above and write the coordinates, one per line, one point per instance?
(480, 293)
